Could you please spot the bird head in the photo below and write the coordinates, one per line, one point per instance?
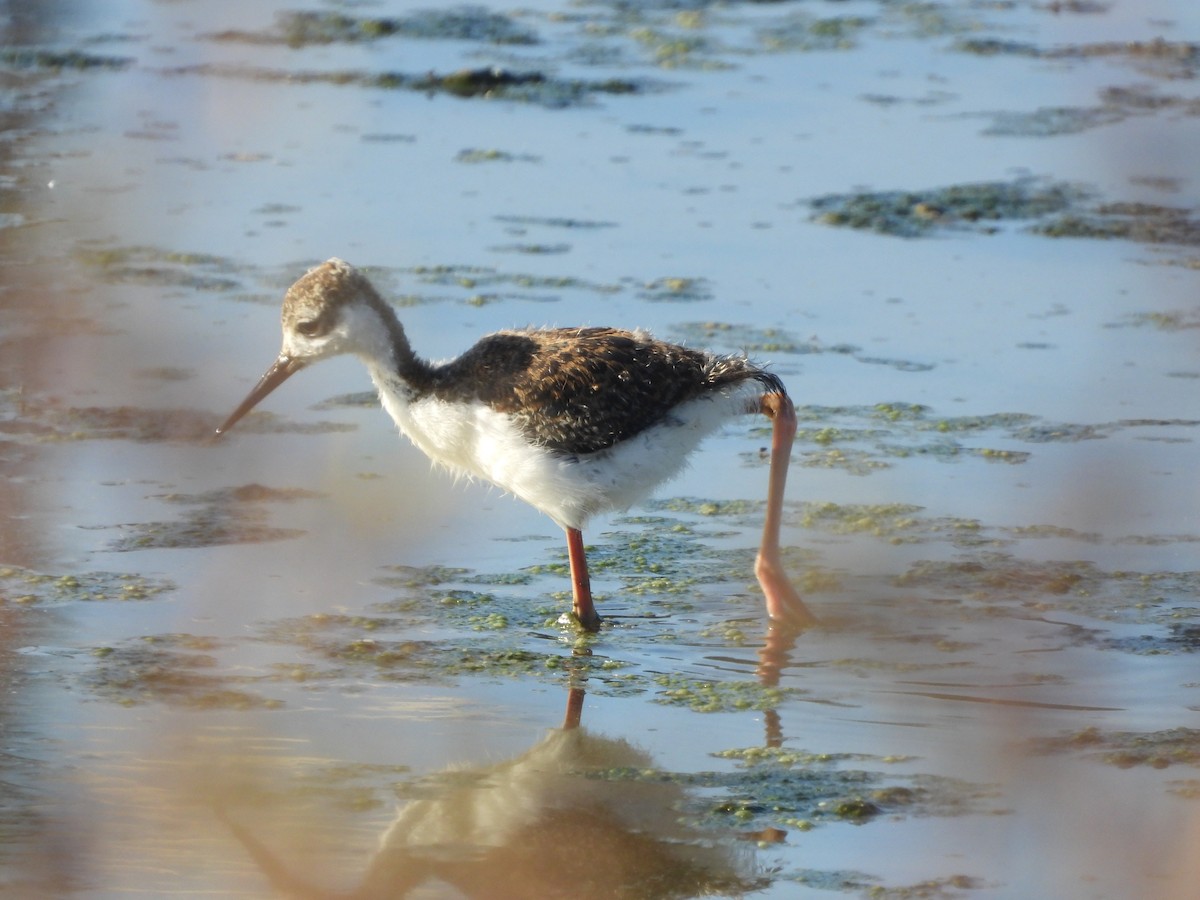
(324, 315)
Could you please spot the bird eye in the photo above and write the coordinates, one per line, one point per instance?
(308, 327)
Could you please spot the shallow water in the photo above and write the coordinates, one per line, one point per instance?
(298, 661)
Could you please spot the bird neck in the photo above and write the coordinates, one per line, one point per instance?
(389, 357)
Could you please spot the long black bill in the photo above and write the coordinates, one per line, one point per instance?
(280, 371)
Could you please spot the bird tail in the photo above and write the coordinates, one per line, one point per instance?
(772, 384)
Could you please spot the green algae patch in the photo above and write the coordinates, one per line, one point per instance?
(526, 221)
(1051, 121)
(51, 423)
(157, 267)
(463, 23)
(26, 587)
(846, 881)
(995, 575)
(485, 82)
(900, 412)
(784, 790)
(1114, 104)
(330, 634)
(227, 516)
(355, 400)
(793, 758)
(176, 669)
(765, 342)
(806, 34)
(488, 83)
(1127, 749)
(1164, 600)
(949, 887)
(60, 60)
(730, 633)
(1066, 432)
(709, 37)
(261, 421)
(854, 462)
(353, 647)
(662, 547)
(442, 597)
(1186, 788)
(897, 523)
(420, 577)
(675, 49)
(445, 624)
(753, 339)
(863, 439)
(1143, 223)
(33, 418)
(1178, 637)
(399, 658)
(532, 249)
(676, 289)
(718, 696)
(477, 278)
(1053, 531)
(665, 563)
(977, 206)
(924, 19)
(1167, 320)
(1161, 58)
(1009, 457)
(1055, 209)
(475, 156)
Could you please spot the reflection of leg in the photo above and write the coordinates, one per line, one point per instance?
(574, 708)
(783, 602)
(772, 659)
(581, 585)
(772, 728)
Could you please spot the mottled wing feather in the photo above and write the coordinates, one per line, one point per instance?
(488, 371)
(583, 390)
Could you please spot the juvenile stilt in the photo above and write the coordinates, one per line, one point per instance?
(575, 421)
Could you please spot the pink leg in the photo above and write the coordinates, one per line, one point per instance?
(581, 585)
(784, 605)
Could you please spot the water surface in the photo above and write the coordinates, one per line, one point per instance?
(298, 660)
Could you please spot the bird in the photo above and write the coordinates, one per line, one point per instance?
(575, 421)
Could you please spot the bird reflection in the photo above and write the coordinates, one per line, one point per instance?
(772, 660)
(556, 821)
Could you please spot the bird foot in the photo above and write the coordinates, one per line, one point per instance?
(589, 624)
(784, 604)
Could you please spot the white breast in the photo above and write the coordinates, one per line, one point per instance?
(473, 440)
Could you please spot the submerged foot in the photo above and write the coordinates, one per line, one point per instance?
(784, 605)
(589, 623)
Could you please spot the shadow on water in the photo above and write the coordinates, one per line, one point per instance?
(577, 815)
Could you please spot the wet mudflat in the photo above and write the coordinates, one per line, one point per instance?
(299, 662)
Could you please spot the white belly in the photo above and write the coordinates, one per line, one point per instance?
(476, 441)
